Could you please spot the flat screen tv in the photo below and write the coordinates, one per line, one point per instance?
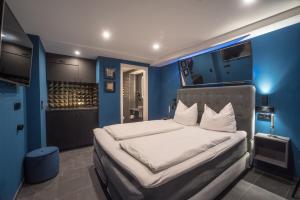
(228, 66)
(16, 49)
(236, 51)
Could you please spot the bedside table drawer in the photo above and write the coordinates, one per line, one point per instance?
(272, 150)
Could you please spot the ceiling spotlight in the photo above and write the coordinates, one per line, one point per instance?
(156, 46)
(77, 53)
(248, 2)
(106, 35)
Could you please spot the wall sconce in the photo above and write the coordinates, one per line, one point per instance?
(266, 112)
(264, 108)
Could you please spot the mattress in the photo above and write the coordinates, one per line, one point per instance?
(149, 179)
(122, 185)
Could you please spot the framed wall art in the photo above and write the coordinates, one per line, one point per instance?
(110, 86)
(109, 73)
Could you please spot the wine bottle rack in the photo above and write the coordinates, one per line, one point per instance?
(63, 95)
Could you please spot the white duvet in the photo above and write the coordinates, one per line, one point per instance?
(161, 151)
(139, 129)
(149, 179)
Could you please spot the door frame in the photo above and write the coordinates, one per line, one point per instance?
(145, 99)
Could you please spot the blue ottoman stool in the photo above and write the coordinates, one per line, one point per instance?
(41, 164)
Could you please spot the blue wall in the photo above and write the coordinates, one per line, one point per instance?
(170, 82)
(109, 103)
(37, 93)
(154, 93)
(43, 91)
(13, 144)
(276, 60)
(276, 69)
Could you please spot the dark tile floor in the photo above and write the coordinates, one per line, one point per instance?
(77, 180)
(258, 185)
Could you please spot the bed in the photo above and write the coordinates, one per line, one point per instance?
(202, 176)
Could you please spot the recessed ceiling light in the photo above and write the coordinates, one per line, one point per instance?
(106, 35)
(156, 46)
(77, 53)
(248, 2)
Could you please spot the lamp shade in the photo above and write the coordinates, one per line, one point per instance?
(264, 100)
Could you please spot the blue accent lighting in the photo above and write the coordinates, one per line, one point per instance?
(214, 48)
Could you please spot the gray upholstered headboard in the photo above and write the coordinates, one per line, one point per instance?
(242, 99)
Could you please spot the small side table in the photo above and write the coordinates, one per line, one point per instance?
(41, 164)
(272, 149)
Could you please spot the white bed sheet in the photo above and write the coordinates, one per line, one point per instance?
(149, 179)
(140, 129)
(161, 151)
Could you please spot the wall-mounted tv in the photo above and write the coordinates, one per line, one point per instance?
(227, 66)
(236, 51)
(16, 49)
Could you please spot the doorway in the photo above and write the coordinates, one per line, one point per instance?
(134, 93)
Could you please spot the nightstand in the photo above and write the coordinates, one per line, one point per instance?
(272, 149)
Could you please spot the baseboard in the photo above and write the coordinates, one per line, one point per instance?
(19, 189)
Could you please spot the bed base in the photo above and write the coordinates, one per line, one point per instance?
(212, 190)
(220, 183)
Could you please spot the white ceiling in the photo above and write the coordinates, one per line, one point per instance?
(68, 25)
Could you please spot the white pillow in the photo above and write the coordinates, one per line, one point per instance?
(222, 121)
(186, 116)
